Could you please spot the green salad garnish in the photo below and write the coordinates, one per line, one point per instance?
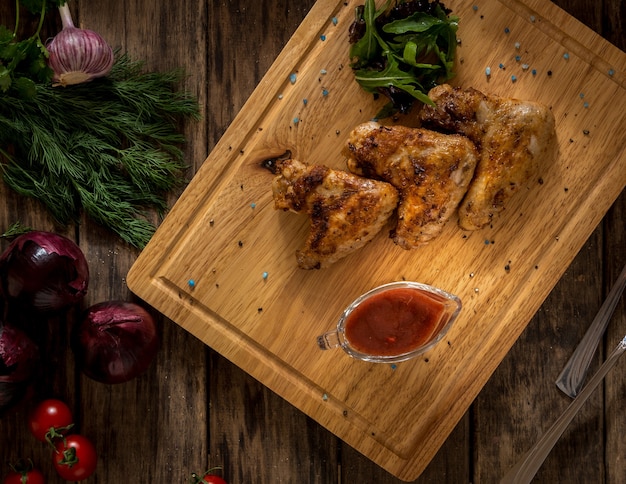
(403, 51)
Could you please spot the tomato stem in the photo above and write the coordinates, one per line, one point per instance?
(69, 457)
(57, 433)
(196, 479)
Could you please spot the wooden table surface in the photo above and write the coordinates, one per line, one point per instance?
(194, 410)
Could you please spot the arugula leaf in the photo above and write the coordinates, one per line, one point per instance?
(403, 55)
(371, 44)
(375, 81)
(418, 22)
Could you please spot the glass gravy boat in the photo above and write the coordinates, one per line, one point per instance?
(393, 322)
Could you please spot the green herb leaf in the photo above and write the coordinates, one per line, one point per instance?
(5, 78)
(371, 44)
(403, 58)
(36, 6)
(392, 75)
(109, 148)
(25, 88)
(24, 57)
(15, 229)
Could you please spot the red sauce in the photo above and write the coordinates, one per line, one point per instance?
(394, 321)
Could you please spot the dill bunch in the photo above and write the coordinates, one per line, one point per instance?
(110, 148)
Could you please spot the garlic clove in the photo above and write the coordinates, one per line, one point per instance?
(78, 55)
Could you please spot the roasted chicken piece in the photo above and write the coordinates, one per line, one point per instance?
(346, 211)
(512, 136)
(430, 170)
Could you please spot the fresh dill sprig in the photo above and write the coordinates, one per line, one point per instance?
(110, 148)
(15, 229)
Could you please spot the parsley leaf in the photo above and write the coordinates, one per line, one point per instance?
(23, 61)
(36, 6)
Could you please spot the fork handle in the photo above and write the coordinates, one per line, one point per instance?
(524, 471)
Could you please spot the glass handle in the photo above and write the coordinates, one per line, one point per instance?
(328, 340)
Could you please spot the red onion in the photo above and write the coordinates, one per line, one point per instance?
(18, 361)
(43, 271)
(115, 341)
(78, 55)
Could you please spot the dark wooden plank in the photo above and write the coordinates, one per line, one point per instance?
(614, 227)
(257, 436)
(56, 376)
(254, 434)
(193, 409)
(612, 26)
(450, 465)
(161, 414)
(522, 391)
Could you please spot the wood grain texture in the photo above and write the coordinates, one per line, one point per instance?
(398, 419)
(522, 388)
(194, 409)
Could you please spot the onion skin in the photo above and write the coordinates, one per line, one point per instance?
(19, 357)
(115, 341)
(43, 271)
(78, 55)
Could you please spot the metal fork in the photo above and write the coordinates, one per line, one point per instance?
(571, 379)
(524, 471)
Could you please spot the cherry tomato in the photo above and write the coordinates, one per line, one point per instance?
(213, 479)
(24, 473)
(29, 477)
(74, 457)
(51, 418)
(208, 478)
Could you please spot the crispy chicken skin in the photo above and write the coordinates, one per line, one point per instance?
(346, 211)
(430, 170)
(512, 136)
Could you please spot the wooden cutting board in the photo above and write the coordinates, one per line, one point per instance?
(253, 305)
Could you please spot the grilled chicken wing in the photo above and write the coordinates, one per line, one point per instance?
(512, 137)
(346, 211)
(430, 170)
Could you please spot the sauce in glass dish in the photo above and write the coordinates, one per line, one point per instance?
(395, 321)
